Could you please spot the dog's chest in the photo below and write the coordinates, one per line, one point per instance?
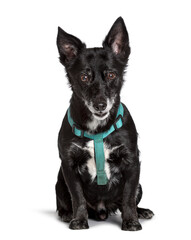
(112, 169)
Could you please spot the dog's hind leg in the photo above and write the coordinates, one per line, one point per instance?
(63, 199)
(142, 212)
(139, 194)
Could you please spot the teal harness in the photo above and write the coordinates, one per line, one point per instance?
(98, 142)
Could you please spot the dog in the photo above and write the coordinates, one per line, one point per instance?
(97, 142)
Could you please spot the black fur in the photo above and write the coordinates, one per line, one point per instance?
(96, 77)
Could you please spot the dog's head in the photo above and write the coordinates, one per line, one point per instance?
(96, 74)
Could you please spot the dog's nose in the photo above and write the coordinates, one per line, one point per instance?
(101, 106)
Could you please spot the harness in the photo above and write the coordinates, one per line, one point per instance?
(98, 142)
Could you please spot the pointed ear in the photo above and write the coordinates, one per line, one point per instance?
(68, 46)
(118, 40)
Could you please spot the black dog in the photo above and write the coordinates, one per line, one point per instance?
(97, 142)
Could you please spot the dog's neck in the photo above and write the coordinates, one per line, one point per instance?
(83, 117)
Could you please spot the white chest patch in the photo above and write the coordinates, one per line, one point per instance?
(91, 165)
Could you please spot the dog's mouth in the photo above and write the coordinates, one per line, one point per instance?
(100, 114)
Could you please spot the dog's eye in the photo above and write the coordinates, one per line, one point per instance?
(84, 78)
(111, 76)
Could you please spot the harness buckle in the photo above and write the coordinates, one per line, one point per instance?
(116, 120)
(81, 131)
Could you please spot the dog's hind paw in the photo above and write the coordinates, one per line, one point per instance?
(78, 224)
(64, 215)
(144, 213)
(131, 225)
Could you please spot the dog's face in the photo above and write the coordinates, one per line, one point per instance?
(96, 74)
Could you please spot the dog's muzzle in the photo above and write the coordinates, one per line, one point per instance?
(100, 106)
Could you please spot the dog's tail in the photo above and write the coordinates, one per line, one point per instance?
(102, 212)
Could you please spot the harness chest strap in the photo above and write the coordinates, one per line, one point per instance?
(98, 143)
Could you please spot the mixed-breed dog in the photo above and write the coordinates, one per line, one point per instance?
(97, 142)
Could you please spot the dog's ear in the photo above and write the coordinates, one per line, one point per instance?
(68, 46)
(118, 40)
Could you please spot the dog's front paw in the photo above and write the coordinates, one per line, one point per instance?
(79, 224)
(131, 225)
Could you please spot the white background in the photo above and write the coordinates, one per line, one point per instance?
(34, 97)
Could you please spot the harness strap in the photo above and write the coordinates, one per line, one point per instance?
(100, 160)
(98, 142)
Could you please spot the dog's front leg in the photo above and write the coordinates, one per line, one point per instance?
(129, 209)
(80, 214)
